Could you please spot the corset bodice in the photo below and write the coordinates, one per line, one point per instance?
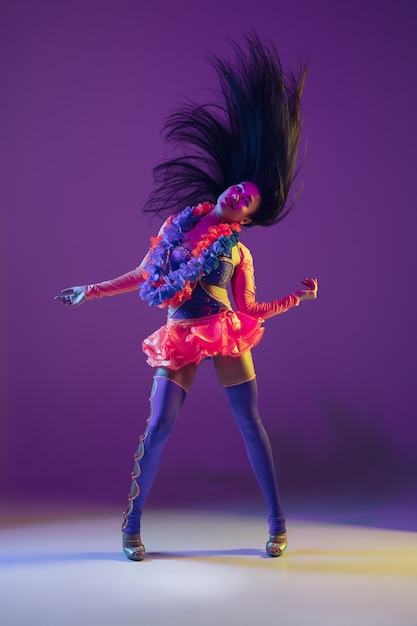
(202, 302)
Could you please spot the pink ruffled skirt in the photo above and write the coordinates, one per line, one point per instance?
(181, 342)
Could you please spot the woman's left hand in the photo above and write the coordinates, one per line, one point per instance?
(312, 289)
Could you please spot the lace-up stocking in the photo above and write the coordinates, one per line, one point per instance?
(166, 400)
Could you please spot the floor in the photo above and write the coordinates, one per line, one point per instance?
(204, 569)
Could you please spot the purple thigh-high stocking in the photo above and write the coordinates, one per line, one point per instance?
(165, 402)
(243, 400)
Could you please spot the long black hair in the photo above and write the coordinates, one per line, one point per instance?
(250, 134)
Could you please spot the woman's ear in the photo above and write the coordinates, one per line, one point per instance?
(246, 220)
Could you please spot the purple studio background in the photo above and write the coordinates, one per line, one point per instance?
(85, 90)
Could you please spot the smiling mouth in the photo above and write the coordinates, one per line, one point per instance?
(229, 202)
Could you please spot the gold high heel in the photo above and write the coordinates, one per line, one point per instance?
(133, 547)
(276, 544)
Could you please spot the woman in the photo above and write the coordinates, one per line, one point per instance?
(240, 161)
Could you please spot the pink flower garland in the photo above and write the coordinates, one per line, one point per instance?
(165, 287)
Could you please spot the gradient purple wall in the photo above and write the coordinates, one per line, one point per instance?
(85, 88)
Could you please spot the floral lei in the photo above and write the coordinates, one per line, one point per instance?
(165, 287)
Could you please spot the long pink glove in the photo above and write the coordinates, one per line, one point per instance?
(121, 284)
(243, 288)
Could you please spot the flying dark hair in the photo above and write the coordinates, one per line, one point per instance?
(250, 134)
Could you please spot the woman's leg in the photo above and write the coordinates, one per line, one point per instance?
(167, 396)
(237, 375)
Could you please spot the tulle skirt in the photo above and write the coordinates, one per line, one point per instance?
(181, 342)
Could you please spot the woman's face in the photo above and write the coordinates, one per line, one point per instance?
(238, 203)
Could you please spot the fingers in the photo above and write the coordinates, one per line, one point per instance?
(311, 282)
(66, 300)
(312, 285)
(66, 295)
(69, 299)
(71, 296)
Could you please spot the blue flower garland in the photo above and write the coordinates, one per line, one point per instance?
(162, 283)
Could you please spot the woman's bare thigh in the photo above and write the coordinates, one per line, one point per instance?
(184, 376)
(232, 370)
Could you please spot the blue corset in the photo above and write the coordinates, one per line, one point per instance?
(200, 304)
(222, 275)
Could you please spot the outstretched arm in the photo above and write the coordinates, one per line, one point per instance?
(243, 288)
(74, 296)
(122, 284)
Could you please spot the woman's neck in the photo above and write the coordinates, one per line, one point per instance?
(212, 218)
(202, 227)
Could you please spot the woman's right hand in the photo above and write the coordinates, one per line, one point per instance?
(312, 289)
(72, 296)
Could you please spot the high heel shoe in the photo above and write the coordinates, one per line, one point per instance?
(133, 547)
(276, 544)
